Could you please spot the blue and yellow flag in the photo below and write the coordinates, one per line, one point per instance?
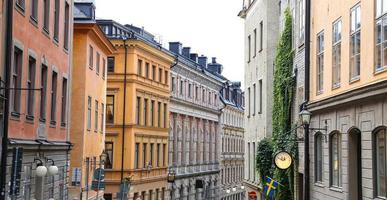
(269, 188)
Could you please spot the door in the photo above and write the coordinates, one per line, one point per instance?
(354, 163)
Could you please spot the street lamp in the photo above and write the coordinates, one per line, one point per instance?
(242, 187)
(41, 170)
(228, 191)
(305, 116)
(52, 170)
(171, 179)
(234, 189)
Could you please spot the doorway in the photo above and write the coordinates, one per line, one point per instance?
(354, 164)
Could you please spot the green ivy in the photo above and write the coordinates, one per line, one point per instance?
(284, 87)
(264, 159)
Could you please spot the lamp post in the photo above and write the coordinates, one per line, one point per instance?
(171, 179)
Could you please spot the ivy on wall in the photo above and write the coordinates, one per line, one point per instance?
(283, 139)
(284, 88)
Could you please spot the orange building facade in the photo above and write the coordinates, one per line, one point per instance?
(145, 147)
(39, 99)
(90, 51)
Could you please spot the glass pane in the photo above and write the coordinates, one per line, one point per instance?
(384, 6)
(358, 20)
(353, 21)
(381, 163)
(357, 65)
(378, 58)
(358, 43)
(378, 32)
(379, 7)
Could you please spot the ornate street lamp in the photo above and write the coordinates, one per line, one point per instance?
(52, 170)
(228, 191)
(305, 116)
(234, 189)
(41, 170)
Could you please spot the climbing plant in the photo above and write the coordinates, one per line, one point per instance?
(284, 87)
(264, 159)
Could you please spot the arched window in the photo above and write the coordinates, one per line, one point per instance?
(318, 159)
(335, 159)
(380, 157)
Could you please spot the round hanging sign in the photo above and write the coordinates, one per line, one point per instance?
(283, 160)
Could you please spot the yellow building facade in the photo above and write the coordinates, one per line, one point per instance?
(144, 151)
(88, 93)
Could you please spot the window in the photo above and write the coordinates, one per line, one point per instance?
(381, 36)
(34, 10)
(31, 86)
(160, 75)
(166, 77)
(260, 96)
(318, 157)
(255, 43)
(261, 36)
(173, 85)
(164, 154)
(249, 99)
(88, 113)
(152, 116)
(102, 116)
(320, 62)
(248, 161)
(151, 154)
(145, 112)
(153, 72)
(335, 160)
(181, 87)
(165, 115)
(197, 93)
(96, 116)
(144, 150)
(54, 83)
(16, 80)
(336, 54)
(147, 70)
(355, 43)
(64, 102)
(380, 159)
(21, 4)
(103, 68)
(189, 90)
(56, 22)
(46, 15)
(254, 96)
(98, 57)
(91, 57)
(249, 48)
(159, 114)
(109, 152)
(301, 20)
(138, 104)
(110, 109)
(136, 155)
(110, 64)
(67, 26)
(158, 155)
(139, 67)
(43, 93)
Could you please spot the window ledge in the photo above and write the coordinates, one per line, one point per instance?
(336, 189)
(380, 70)
(30, 118)
(15, 114)
(20, 9)
(319, 184)
(56, 41)
(354, 79)
(34, 21)
(63, 124)
(42, 120)
(336, 86)
(320, 92)
(46, 32)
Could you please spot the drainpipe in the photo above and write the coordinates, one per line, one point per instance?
(8, 61)
(306, 96)
(123, 118)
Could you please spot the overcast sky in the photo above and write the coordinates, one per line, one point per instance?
(209, 27)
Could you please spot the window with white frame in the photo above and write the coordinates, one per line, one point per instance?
(335, 160)
(380, 159)
(381, 35)
(320, 62)
(336, 53)
(355, 43)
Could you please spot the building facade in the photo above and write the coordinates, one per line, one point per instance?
(232, 151)
(142, 114)
(261, 35)
(38, 128)
(194, 126)
(91, 49)
(348, 95)
(3, 53)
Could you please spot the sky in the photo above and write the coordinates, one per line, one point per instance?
(210, 27)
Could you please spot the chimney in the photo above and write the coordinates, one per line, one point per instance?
(176, 47)
(194, 57)
(186, 51)
(215, 67)
(202, 60)
(213, 59)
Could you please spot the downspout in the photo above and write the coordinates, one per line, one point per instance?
(306, 96)
(8, 61)
(123, 117)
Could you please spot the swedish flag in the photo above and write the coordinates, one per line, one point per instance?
(269, 188)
